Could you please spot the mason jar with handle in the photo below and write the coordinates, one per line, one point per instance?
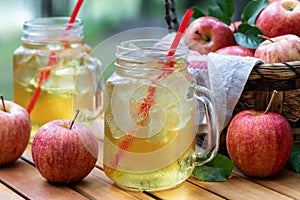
(56, 74)
(150, 117)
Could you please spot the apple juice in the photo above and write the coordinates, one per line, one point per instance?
(75, 78)
(149, 121)
(154, 160)
(150, 117)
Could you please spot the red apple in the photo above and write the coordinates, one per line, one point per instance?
(280, 18)
(62, 154)
(259, 144)
(283, 48)
(234, 26)
(207, 34)
(15, 127)
(235, 50)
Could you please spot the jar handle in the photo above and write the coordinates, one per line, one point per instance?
(95, 65)
(204, 96)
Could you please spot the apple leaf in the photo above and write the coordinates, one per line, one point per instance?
(223, 10)
(226, 6)
(295, 159)
(197, 12)
(219, 169)
(252, 9)
(247, 36)
(216, 12)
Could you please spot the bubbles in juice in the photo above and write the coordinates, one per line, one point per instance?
(158, 143)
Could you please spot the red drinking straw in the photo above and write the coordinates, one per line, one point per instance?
(148, 101)
(44, 75)
(181, 29)
(146, 105)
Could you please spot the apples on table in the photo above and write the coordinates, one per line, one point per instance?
(15, 127)
(259, 144)
(207, 34)
(64, 153)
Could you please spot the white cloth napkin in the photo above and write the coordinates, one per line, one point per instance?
(225, 76)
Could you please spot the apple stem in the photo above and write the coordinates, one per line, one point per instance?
(3, 104)
(77, 112)
(203, 36)
(265, 37)
(270, 102)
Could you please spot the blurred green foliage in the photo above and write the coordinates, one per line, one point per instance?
(102, 19)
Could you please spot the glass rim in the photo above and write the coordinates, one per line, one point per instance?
(51, 29)
(157, 45)
(53, 22)
(122, 44)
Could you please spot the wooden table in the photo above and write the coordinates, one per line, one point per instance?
(21, 180)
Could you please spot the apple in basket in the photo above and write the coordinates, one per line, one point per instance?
(207, 34)
(15, 127)
(64, 151)
(282, 48)
(280, 18)
(259, 143)
(236, 50)
(234, 26)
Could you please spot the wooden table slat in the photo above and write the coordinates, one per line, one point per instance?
(188, 191)
(239, 188)
(97, 184)
(7, 194)
(285, 182)
(26, 179)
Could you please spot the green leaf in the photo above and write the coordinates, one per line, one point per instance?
(197, 12)
(247, 36)
(219, 169)
(295, 159)
(226, 6)
(252, 9)
(216, 12)
(222, 9)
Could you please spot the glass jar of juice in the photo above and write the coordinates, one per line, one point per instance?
(55, 73)
(150, 117)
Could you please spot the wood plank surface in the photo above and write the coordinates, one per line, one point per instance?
(8, 194)
(26, 179)
(188, 191)
(285, 182)
(97, 185)
(240, 188)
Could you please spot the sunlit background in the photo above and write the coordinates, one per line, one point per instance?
(102, 18)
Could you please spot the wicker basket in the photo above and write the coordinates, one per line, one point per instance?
(264, 78)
